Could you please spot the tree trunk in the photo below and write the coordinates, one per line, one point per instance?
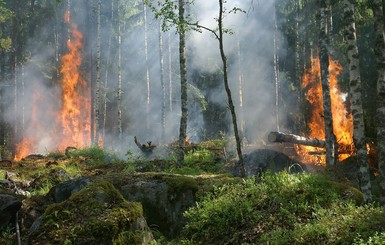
(331, 149)
(356, 100)
(107, 70)
(380, 58)
(119, 92)
(162, 84)
(97, 85)
(278, 137)
(147, 75)
(170, 72)
(90, 64)
(15, 101)
(276, 72)
(240, 89)
(183, 83)
(300, 124)
(23, 104)
(228, 92)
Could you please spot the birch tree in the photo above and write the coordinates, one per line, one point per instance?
(379, 50)
(147, 75)
(219, 36)
(276, 72)
(170, 18)
(356, 100)
(331, 148)
(182, 25)
(119, 92)
(162, 84)
(106, 76)
(97, 85)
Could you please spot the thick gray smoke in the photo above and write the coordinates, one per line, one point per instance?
(249, 51)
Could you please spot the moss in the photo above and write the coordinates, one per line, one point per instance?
(348, 192)
(207, 183)
(96, 214)
(179, 183)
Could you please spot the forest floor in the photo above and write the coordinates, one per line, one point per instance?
(301, 199)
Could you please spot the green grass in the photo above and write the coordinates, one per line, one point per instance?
(283, 208)
(94, 155)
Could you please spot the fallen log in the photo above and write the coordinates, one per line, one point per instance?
(279, 137)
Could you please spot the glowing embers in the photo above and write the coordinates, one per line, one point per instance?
(342, 119)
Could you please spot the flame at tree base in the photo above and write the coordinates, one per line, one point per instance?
(71, 125)
(342, 119)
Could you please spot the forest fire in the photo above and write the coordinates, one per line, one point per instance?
(342, 119)
(72, 120)
(23, 148)
(28, 144)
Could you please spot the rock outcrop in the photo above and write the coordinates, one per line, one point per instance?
(96, 214)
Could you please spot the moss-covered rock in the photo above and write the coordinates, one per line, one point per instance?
(165, 197)
(97, 214)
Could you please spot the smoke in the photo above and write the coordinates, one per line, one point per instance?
(250, 58)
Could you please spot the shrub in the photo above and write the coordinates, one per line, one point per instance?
(95, 155)
(282, 209)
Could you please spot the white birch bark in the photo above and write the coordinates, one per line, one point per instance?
(356, 100)
(119, 92)
(147, 75)
(97, 85)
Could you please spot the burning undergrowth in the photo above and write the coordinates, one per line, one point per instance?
(61, 118)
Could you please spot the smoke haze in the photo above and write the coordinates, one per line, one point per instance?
(249, 51)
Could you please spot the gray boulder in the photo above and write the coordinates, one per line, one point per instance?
(64, 190)
(262, 160)
(9, 206)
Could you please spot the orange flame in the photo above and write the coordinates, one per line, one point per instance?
(23, 149)
(74, 116)
(72, 121)
(342, 120)
(28, 144)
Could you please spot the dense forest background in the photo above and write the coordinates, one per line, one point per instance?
(130, 69)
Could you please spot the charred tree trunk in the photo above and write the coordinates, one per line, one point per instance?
(356, 101)
(331, 149)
